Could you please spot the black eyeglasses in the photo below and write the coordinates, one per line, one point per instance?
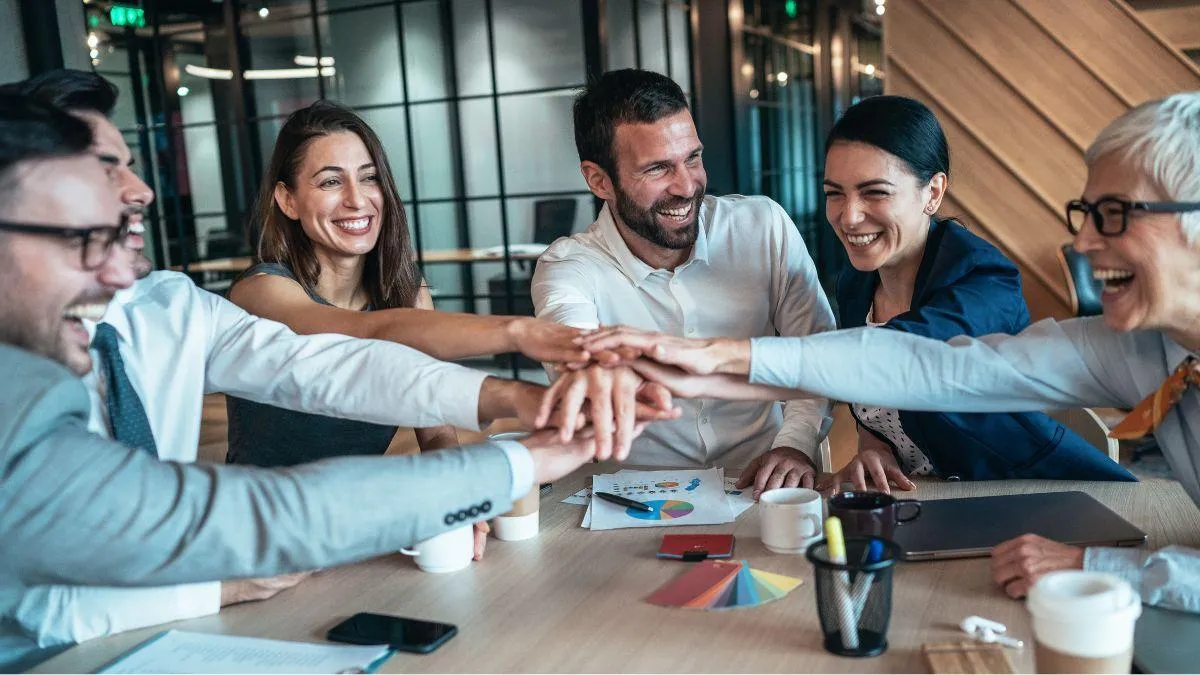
(95, 242)
(1111, 215)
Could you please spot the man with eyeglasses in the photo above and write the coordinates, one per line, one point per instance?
(76, 508)
(1139, 225)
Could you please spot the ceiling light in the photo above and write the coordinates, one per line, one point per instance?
(782, 77)
(287, 73)
(92, 40)
(264, 13)
(95, 54)
(208, 73)
(311, 61)
(869, 69)
(880, 9)
(753, 93)
(183, 90)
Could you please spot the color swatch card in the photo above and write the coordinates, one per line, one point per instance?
(723, 584)
(683, 497)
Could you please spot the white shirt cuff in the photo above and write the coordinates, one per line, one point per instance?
(520, 462)
(198, 599)
(462, 411)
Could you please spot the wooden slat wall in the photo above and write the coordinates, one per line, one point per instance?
(1022, 87)
(1178, 25)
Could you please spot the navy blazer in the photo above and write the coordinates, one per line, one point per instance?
(965, 286)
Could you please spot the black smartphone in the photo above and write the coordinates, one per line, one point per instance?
(406, 635)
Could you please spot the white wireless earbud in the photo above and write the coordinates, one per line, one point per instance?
(988, 631)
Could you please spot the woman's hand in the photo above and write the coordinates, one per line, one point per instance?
(547, 341)
(874, 459)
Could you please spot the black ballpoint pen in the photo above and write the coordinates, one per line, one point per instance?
(623, 501)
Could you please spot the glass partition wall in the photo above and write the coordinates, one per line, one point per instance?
(471, 99)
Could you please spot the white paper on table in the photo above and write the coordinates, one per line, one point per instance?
(177, 651)
(581, 498)
(739, 500)
(678, 497)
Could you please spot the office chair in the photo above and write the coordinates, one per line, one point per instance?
(1083, 289)
(1085, 292)
(552, 219)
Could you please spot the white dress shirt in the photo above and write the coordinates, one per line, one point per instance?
(179, 343)
(749, 275)
(1072, 363)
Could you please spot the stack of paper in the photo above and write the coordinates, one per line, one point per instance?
(723, 584)
(682, 497)
(739, 499)
(179, 651)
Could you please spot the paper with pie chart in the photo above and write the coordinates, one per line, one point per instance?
(684, 497)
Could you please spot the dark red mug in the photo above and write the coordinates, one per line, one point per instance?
(872, 513)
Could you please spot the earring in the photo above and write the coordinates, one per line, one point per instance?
(929, 210)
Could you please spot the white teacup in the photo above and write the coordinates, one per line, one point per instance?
(791, 519)
(448, 552)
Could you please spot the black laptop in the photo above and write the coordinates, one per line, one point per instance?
(970, 527)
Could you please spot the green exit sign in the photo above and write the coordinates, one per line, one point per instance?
(127, 17)
(790, 8)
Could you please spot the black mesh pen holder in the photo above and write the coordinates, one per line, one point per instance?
(854, 600)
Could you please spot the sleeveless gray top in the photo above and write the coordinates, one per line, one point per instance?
(264, 435)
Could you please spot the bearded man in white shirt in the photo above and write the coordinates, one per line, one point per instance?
(662, 256)
(178, 342)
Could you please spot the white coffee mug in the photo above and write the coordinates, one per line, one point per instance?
(448, 552)
(791, 519)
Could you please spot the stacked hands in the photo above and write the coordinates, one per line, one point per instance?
(616, 380)
(626, 378)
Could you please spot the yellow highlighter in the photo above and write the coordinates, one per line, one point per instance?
(835, 544)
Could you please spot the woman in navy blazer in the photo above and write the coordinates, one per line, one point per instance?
(887, 169)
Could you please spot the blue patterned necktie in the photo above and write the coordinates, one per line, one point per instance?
(126, 414)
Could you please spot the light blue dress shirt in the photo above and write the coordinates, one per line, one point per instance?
(1078, 362)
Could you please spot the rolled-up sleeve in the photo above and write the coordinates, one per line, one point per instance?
(1167, 578)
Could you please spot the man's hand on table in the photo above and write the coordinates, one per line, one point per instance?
(1018, 563)
(781, 467)
(617, 399)
(250, 590)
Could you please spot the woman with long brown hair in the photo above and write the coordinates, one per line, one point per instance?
(334, 256)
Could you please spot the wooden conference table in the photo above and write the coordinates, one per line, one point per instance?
(570, 600)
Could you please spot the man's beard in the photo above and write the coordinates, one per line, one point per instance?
(644, 222)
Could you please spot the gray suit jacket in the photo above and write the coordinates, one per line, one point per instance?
(79, 509)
